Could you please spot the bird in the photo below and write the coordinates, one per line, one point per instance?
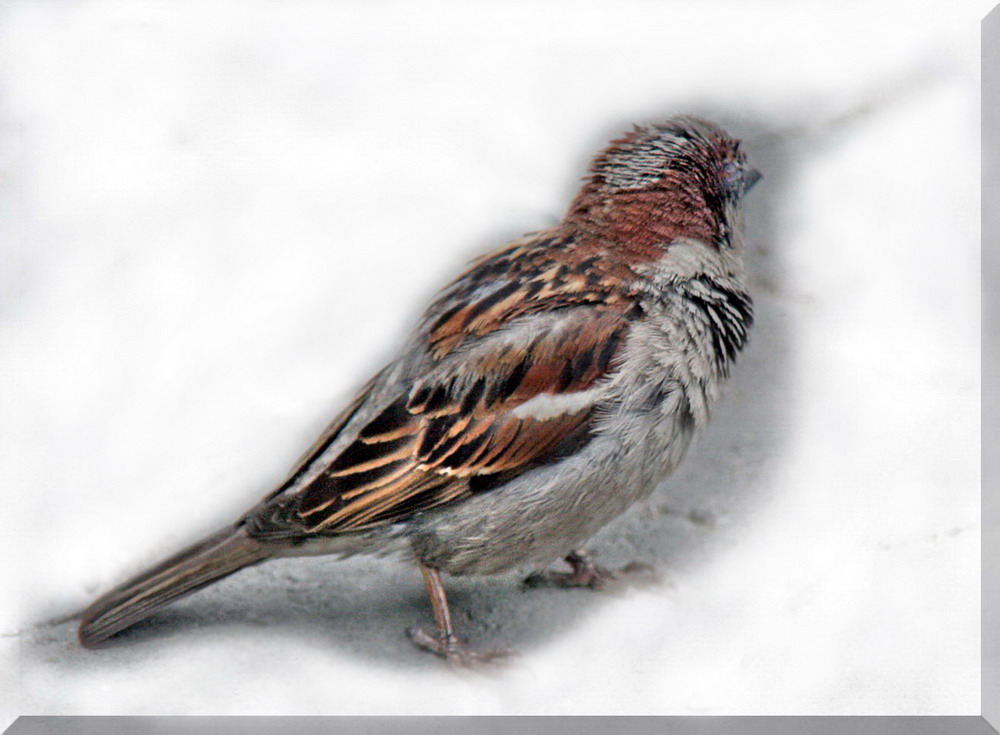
(545, 390)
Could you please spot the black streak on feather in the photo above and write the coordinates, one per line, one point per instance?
(608, 351)
(461, 455)
(433, 434)
(472, 397)
(392, 418)
(566, 376)
(582, 363)
(483, 305)
(359, 453)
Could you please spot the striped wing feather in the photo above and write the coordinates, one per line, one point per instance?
(543, 316)
(431, 445)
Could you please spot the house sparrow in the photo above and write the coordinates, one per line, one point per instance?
(545, 390)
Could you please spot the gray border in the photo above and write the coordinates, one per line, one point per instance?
(990, 52)
(498, 725)
(990, 702)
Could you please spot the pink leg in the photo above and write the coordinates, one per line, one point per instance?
(586, 574)
(446, 643)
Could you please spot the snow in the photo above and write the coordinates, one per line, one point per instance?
(220, 218)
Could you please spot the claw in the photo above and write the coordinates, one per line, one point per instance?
(587, 574)
(446, 643)
(453, 651)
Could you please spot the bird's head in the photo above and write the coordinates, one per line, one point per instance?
(683, 178)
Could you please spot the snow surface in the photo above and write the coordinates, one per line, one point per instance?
(219, 218)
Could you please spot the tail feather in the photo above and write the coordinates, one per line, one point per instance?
(217, 556)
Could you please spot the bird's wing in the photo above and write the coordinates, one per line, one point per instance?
(499, 409)
(518, 348)
(334, 428)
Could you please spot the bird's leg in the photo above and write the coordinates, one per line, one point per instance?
(585, 573)
(446, 643)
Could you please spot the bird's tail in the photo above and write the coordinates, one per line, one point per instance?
(215, 557)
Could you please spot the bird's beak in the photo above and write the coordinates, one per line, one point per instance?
(750, 177)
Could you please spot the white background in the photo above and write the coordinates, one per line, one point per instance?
(218, 219)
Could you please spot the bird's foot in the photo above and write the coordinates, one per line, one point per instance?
(454, 651)
(587, 574)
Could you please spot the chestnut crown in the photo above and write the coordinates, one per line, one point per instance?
(679, 178)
